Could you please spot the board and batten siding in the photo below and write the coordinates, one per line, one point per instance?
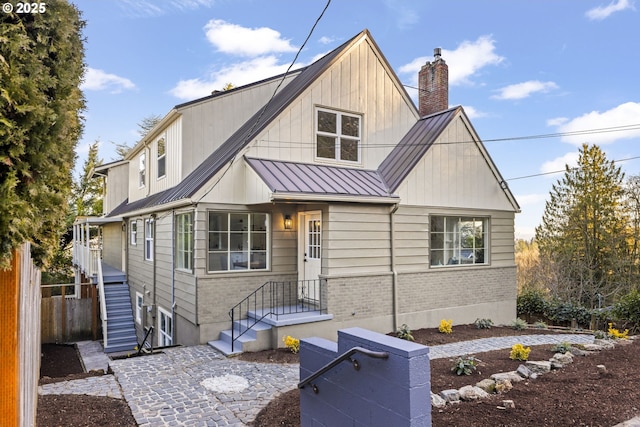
(455, 172)
(117, 183)
(209, 123)
(360, 83)
(172, 135)
(355, 239)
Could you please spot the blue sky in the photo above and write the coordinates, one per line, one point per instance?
(520, 68)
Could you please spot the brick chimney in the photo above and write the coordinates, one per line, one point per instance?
(433, 82)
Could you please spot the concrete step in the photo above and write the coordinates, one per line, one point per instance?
(225, 347)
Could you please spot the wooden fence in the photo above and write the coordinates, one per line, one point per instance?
(67, 316)
(19, 340)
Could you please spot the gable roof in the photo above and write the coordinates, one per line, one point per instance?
(413, 146)
(288, 179)
(247, 132)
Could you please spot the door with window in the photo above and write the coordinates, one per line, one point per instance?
(310, 244)
(165, 328)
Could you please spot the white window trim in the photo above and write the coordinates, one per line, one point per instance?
(133, 231)
(268, 243)
(142, 170)
(485, 225)
(149, 226)
(139, 307)
(164, 339)
(337, 136)
(190, 250)
(161, 157)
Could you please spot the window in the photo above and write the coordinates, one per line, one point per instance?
(148, 239)
(338, 136)
(134, 232)
(165, 328)
(458, 241)
(142, 170)
(184, 241)
(139, 304)
(162, 158)
(238, 241)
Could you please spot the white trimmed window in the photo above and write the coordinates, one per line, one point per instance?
(148, 239)
(458, 241)
(165, 327)
(139, 304)
(338, 135)
(133, 228)
(162, 158)
(184, 241)
(238, 241)
(142, 170)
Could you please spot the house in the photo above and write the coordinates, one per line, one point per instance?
(310, 202)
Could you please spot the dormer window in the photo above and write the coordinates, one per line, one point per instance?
(142, 170)
(338, 136)
(162, 158)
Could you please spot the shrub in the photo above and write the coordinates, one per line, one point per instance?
(483, 323)
(519, 324)
(540, 325)
(404, 333)
(628, 310)
(519, 352)
(446, 326)
(562, 347)
(293, 344)
(563, 312)
(531, 303)
(464, 365)
(616, 334)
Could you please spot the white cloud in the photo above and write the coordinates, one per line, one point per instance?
(405, 16)
(621, 122)
(603, 12)
(95, 79)
(525, 89)
(464, 62)
(236, 40)
(140, 8)
(237, 74)
(326, 40)
(559, 164)
(473, 113)
(558, 121)
(530, 199)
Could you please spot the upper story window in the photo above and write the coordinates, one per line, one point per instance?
(162, 158)
(134, 232)
(238, 241)
(148, 239)
(142, 170)
(184, 241)
(338, 136)
(458, 241)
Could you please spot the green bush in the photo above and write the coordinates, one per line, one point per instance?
(531, 303)
(464, 365)
(562, 347)
(404, 332)
(627, 311)
(519, 324)
(483, 323)
(562, 313)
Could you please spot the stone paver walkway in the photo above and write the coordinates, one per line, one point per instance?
(169, 388)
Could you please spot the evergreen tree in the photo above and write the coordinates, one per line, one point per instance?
(583, 230)
(41, 68)
(89, 190)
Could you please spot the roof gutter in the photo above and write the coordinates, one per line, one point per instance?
(156, 208)
(275, 197)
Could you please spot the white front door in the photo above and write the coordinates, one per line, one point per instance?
(310, 244)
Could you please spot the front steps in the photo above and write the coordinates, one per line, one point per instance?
(121, 330)
(259, 336)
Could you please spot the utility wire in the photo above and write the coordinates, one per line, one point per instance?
(564, 170)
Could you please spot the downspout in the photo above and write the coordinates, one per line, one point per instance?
(173, 276)
(394, 273)
(155, 257)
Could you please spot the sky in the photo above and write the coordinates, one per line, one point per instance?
(538, 78)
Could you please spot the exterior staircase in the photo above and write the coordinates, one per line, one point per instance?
(256, 338)
(121, 329)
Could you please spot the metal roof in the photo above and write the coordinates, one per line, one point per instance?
(284, 177)
(247, 132)
(413, 146)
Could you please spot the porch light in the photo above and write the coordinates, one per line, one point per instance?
(288, 223)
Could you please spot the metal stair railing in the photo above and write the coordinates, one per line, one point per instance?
(275, 298)
(103, 301)
(340, 359)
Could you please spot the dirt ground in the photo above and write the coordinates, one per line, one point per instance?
(576, 395)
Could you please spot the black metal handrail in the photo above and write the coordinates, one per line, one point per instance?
(275, 299)
(340, 359)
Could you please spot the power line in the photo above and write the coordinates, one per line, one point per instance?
(564, 170)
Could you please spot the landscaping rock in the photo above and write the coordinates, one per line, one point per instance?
(437, 401)
(592, 347)
(511, 376)
(560, 360)
(605, 344)
(539, 367)
(487, 385)
(578, 351)
(470, 393)
(524, 372)
(450, 396)
(601, 369)
(503, 386)
(508, 404)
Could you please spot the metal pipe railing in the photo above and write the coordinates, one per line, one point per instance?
(340, 359)
(103, 303)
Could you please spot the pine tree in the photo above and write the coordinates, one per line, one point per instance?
(89, 190)
(583, 230)
(41, 68)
